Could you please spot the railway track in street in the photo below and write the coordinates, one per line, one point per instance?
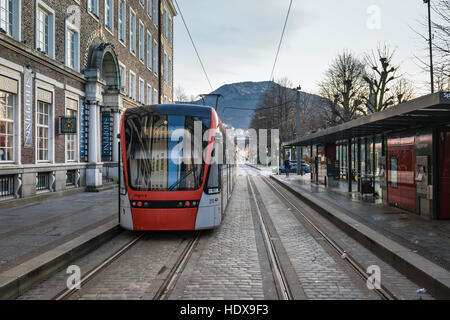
(165, 288)
(381, 291)
(280, 278)
(69, 291)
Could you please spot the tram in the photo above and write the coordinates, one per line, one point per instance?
(177, 168)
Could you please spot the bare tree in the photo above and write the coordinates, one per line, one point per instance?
(402, 90)
(277, 110)
(344, 86)
(379, 78)
(180, 95)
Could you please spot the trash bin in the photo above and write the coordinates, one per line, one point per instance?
(367, 185)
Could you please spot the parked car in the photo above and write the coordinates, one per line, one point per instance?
(293, 169)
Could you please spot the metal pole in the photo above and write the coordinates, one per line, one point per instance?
(431, 45)
(299, 162)
(349, 164)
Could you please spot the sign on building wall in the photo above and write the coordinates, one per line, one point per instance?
(106, 135)
(83, 130)
(68, 125)
(28, 108)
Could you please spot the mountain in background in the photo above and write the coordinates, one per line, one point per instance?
(239, 101)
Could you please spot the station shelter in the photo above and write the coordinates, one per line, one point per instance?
(400, 156)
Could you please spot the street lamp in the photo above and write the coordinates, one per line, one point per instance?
(428, 2)
(299, 149)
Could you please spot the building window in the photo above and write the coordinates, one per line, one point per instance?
(71, 139)
(123, 80)
(141, 90)
(72, 49)
(9, 17)
(170, 31)
(44, 30)
(109, 15)
(155, 12)
(165, 67)
(122, 20)
(155, 57)
(149, 8)
(141, 41)
(155, 96)
(132, 85)
(149, 94)
(92, 7)
(7, 106)
(132, 32)
(43, 120)
(142, 2)
(149, 50)
(165, 23)
(170, 73)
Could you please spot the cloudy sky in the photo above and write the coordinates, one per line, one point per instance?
(237, 39)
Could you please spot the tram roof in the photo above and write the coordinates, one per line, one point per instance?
(174, 109)
(426, 111)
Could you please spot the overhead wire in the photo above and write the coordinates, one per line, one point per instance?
(281, 40)
(193, 44)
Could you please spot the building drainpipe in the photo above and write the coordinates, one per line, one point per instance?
(159, 52)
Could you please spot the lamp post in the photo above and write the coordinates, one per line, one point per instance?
(299, 149)
(430, 40)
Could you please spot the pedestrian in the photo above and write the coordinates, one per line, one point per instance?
(287, 167)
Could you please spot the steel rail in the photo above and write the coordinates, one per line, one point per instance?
(283, 286)
(68, 292)
(382, 291)
(179, 266)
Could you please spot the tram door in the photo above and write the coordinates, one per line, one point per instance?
(445, 174)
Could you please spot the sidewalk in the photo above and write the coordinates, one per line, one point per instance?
(412, 236)
(31, 234)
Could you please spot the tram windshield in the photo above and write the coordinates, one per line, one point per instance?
(161, 153)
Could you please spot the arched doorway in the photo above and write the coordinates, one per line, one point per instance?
(105, 104)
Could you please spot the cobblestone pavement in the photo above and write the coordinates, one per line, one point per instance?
(321, 277)
(135, 274)
(429, 238)
(226, 264)
(54, 285)
(33, 229)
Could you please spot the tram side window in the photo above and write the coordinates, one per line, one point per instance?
(213, 180)
(394, 172)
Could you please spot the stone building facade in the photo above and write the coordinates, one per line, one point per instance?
(68, 69)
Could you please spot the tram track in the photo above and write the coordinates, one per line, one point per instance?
(281, 281)
(170, 282)
(69, 291)
(382, 292)
(164, 290)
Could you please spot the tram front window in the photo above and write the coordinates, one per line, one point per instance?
(160, 152)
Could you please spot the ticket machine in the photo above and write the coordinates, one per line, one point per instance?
(424, 189)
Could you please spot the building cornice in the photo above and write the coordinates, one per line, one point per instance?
(39, 57)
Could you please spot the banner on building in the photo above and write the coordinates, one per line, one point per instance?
(106, 135)
(28, 108)
(83, 140)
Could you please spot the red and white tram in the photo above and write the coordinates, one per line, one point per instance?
(170, 177)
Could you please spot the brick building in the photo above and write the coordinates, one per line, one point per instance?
(68, 68)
